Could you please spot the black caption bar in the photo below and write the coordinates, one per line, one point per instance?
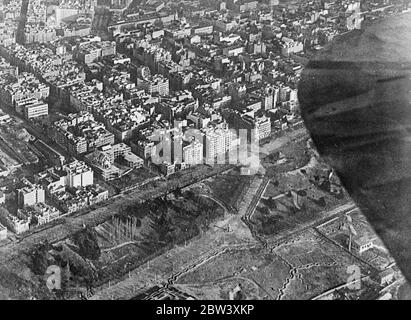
(204, 309)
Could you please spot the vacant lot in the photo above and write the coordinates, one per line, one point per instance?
(292, 156)
(236, 266)
(229, 188)
(302, 268)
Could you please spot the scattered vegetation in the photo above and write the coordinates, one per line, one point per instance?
(87, 242)
(39, 259)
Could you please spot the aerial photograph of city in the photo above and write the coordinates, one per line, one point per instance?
(205, 150)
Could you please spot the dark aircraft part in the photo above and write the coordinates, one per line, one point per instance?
(355, 100)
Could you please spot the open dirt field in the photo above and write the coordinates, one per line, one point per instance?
(300, 269)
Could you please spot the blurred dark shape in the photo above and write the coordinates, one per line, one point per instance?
(355, 100)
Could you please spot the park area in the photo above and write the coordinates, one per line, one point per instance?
(228, 188)
(136, 235)
(297, 196)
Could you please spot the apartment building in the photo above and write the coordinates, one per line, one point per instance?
(29, 194)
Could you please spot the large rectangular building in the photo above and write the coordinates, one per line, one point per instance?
(193, 153)
(75, 174)
(78, 174)
(156, 84)
(35, 110)
(29, 194)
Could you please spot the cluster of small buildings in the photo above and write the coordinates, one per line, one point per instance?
(90, 51)
(57, 190)
(79, 133)
(124, 120)
(31, 207)
(44, 23)
(358, 239)
(103, 160)
(25, 93)
(71, 187)
(9, 21)
(53, 67)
